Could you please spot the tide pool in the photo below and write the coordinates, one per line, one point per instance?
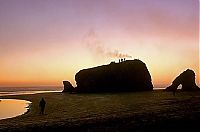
(10, 108)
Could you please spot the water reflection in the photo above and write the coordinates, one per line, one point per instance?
(6, 93)
(13, 107)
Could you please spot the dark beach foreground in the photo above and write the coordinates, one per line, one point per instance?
(140, 111)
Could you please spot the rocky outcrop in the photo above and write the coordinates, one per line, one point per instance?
(68, 87)
(186, 79)
(126, 76)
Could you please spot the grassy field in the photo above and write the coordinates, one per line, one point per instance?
(140, 111)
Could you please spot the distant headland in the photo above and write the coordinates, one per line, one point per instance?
(125, 76)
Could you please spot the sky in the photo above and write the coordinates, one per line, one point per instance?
(43, 42)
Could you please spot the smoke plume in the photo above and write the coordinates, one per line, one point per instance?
(97, 47)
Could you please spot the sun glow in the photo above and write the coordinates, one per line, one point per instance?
(44, 44)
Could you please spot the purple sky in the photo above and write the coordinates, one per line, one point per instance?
(43, 42)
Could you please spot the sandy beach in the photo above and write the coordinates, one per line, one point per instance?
(140, 111)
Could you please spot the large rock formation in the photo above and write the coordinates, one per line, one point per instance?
(131, 75)
(186, 79)
(68, 87)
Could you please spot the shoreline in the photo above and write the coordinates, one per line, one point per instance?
(28, 108)
(27, 92)
(13, 93)
(114, 111)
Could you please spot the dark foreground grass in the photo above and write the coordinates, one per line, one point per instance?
(140, 111)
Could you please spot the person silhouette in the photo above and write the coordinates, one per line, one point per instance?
(42, 106)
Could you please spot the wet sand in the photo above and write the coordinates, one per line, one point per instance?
(140, 111)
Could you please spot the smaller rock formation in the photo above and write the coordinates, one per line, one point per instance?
(186, 79)
(68, 87)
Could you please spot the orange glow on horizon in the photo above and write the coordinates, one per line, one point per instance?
(46, 43)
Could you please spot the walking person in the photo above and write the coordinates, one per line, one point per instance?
(42, 106)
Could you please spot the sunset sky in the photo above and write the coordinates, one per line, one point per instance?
(43, 42)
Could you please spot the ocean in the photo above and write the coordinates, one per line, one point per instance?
(34, 90)
(29, 90)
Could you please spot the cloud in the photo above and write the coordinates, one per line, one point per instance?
(96, 46)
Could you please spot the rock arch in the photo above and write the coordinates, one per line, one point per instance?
(186, 79)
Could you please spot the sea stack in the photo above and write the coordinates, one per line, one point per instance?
(186, 79)
(68, 87)
(126, 76)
